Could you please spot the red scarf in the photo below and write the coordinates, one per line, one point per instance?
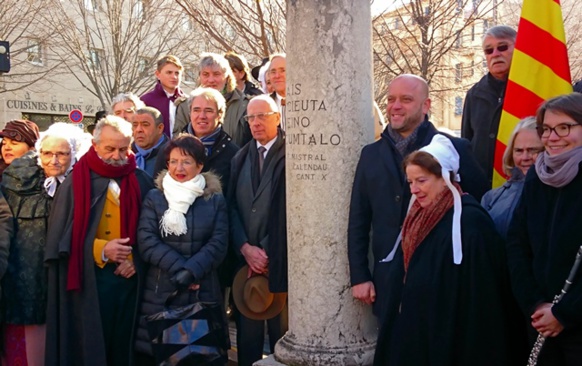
(419, 222)
(129, 200)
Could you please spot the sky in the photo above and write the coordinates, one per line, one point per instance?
(381, 5)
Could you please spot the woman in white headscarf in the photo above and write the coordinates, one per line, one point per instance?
(450, 301)
(29, 184)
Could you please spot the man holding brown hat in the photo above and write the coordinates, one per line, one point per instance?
(258, 226)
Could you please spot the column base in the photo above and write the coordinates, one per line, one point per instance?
(291, 352)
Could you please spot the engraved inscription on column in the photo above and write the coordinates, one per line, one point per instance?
(301, 131)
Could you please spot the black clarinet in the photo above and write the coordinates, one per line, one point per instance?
(537, 347)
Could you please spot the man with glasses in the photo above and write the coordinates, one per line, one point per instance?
(257, 204)
(484, 101)
(124, 105)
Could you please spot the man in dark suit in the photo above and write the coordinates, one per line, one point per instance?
(257, 219)
(380, 194)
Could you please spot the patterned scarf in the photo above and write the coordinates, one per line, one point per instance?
(405, 145)
(208, 140)
(130, 200)
(419, 222)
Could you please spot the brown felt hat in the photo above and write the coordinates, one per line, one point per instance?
(21, 130)
(253, 298)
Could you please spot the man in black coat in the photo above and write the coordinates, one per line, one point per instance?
(256, 198)
(380, 194)
(484, 101)
(92, 282)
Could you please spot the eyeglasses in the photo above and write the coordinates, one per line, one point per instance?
(500, 48)
(127, 110)
(49, 155)
(561, 130)
(259, 116)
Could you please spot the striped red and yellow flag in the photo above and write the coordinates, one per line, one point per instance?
(539, 70)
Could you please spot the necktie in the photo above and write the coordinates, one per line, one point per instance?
(261, 158)
(283, 102)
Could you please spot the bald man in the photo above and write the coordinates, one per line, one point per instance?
(380, 194)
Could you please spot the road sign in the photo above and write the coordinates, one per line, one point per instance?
(76, 116)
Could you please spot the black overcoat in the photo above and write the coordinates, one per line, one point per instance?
(74, 333)
(443, 314)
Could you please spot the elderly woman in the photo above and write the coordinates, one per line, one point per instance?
(545, 234)
(18, 138)
(450, 301)
(182, 235)
(29, 184)
(215, 73)
(520, 154)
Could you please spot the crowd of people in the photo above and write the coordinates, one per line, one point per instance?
(175, 199)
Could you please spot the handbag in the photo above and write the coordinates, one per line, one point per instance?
(194, 334)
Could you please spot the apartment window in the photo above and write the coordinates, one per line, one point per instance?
(458, 106)
(91, 5)
(142, 64)
(186, 22)
(95, 57)
(138, 9)
(396, 23)
(472, 68)
(485, 25)
(459, 6)
(459, 39)
(473, 32)
(458, 73)
(34, 52)
(189, 73)
(427, 10)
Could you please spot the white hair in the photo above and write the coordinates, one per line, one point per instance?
(79, 141)
(262, 73)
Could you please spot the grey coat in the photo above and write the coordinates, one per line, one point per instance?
(200, 251)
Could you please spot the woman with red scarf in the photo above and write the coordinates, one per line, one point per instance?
(450, 300)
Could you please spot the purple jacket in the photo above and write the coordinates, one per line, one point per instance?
(158, 99)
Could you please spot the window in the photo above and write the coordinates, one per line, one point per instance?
(95, 59)
(186, 22)
(396, 23)
(189, 73)
(142, 64)
(458, 73)
(458, 106)
(91, 5)
(138, 9)
(485, 25)
(472, 69)
(459, 6)
(473, 32)
(459, 39)
(34, 51)
(427, 11)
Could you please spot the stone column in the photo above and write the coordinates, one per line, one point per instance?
(328, 121)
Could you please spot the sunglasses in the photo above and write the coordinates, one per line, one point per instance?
(500, 48)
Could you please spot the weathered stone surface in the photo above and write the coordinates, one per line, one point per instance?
(329, 119)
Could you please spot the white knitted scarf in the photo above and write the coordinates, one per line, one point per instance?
(180, 197)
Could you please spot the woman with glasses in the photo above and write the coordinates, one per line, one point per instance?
(546, 232)
(29, 184)
(521, 153)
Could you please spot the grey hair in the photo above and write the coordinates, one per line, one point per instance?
(117, 123)
(153, 112)
(79, 141)
(266, 98)
(528, 123)
(501, 32)
(127, 97)
(213, 95)
(209, 59)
